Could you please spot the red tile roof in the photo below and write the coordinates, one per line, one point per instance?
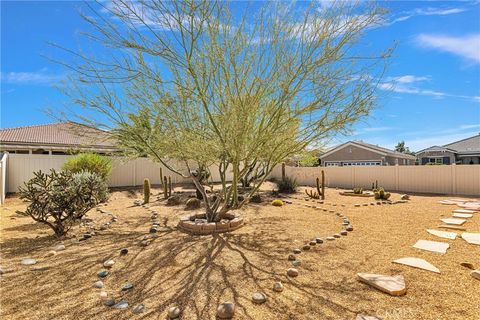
(63, 133)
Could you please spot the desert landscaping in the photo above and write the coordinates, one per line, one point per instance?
(152, 274)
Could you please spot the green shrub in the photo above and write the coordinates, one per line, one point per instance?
(277, 203)
(287, 185)
(58, 199)
(90, 162)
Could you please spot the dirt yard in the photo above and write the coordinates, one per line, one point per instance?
(197, 273)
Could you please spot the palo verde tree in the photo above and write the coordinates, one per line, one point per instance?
(235, 90)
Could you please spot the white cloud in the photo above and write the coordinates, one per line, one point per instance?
(425, 12)
(376, 129)
(467, 47)
(437, 140)
(39, 77)
(411, 84)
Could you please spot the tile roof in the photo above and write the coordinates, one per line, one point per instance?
(63, 133)
(471, 144)
(391, 153)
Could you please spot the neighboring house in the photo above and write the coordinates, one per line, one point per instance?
(466, 151)
(359, 153)
(57, 138)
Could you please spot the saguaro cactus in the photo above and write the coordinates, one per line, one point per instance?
(146, 190)
(161, 176)
(321, 191)
(165, 187)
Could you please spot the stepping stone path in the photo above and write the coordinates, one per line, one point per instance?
(103, 295)
(59, 247)
(330, 238)
(124, 251)
(226, 310)
(467, 265)
(29, 262)
(98, 284)
(448, 226)
(292, 257)
(349, 228)
(364, 317)
(297, 251)
(344, 232)
(336, 235)
(139, 309)
(462, 215)
(417, 263)
(259, 298)
(433, 246)
(109, 303)
(296, 263)
(292, 272)
(319, 240)
(121, 305)
(457, 222)
(108, 263)
(393, 285)
(443, 234)
(306, 247)
(102, 274)
(174, 313)
(278, 287)
(127, 286)
(472, 238)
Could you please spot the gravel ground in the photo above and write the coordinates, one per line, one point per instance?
(197, 273)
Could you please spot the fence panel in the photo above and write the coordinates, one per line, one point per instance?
(447, 179)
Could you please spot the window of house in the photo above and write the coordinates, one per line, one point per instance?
(439, 160)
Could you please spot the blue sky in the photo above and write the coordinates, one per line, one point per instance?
(435, 69)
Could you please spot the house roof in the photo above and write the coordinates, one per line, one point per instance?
(467, 145)
(70, 134)
(371, 147)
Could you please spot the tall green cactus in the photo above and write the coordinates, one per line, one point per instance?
(169, 186)
(146, 190)
(322, 191)
(161, 176)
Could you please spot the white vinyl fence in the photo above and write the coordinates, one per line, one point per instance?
(20, 168)
(3, 177)
(441, 179)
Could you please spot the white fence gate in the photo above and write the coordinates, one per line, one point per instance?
(446, 179)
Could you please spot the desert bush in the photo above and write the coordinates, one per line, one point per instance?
(287, 185)
(277, 203)
(192, 203)
(58, 199)
(380, 193)
(90, 162)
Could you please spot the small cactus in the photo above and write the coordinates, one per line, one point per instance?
(277, 203)
(165, 187)
(146, 190)
(169, 186)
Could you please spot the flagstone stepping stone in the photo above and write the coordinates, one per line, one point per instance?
(278, 287)
(59, 247)
(139, 308)
(123, 251)
(319, 240)
(473, 238)
(449, 226)
(312, 243)
(449, 202)
(127, 286)
(458, 222)
(462, 215)
(344, 232)
(467, 265)
(356, 205)
(109, 263)
(297, 251)
(292, 257)
(443, 234)
(464, 211)
(109, 302)
(306, 247)
(103, 295)
(417, 263)
(259, 297)
(336, 235)
(102, 274)
(121, 305)
(364, 317)
(29, 262)
(349, 228)
(98, 284)
(393, 285)
(174, 312)
(330, 238)
(226, 310)
(433, 246)
(475, 274)
(292, 272)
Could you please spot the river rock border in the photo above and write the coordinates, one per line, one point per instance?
(196, 224)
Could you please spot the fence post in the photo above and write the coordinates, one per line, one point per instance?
(453, 174)
(352, 177)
